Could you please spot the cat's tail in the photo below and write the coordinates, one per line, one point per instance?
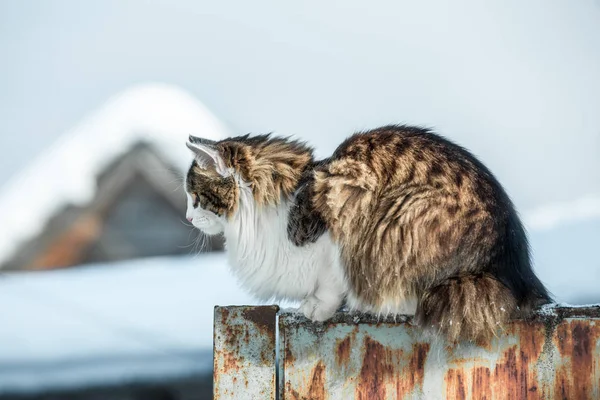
(468, 307)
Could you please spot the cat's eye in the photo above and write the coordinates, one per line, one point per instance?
(195, 199)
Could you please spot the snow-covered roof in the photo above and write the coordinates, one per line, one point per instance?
(158, 114)
(131, 321)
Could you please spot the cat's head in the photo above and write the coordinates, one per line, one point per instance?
(258, 169)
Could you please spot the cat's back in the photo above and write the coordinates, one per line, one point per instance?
(417, 217)
(419, 199)
(400, 161)
(401, 154)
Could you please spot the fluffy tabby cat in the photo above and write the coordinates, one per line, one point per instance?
(397, 221)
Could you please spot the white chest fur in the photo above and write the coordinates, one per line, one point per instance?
(266, 262)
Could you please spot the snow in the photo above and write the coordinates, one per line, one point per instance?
(550, 309)
(128, 321)
(161, 114)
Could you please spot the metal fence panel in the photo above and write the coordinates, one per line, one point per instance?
(554, 356)
(244, 353)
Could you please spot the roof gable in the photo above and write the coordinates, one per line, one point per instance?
(66, 173)
(137, 212)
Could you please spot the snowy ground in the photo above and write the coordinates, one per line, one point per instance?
(131, 321)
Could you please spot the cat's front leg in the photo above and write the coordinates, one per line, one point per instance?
(327, 297)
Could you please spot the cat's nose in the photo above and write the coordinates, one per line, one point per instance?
(190, 219)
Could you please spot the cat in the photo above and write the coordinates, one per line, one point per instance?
(399, 220)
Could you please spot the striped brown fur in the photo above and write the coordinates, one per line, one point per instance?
(418, 217)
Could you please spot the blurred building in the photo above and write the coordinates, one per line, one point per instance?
(110, 189)
(137, 212)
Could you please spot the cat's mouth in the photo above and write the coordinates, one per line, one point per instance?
(208, 225)
(201, 220)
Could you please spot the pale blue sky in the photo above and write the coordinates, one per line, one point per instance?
(516, 82)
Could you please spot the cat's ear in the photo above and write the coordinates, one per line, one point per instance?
(198, 140)
(206, 153)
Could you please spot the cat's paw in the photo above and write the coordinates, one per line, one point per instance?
(322, 313)
(316, 310)
(308, 306)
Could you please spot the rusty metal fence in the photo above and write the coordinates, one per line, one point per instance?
(264, 353)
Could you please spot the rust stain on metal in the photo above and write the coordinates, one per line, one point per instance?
(417, 362)
(515, 374)
(582, 356)
(532, 338)
(263, 318)
(289, 358)
(342, 352)
(376, 365)
(382, 366)
(224, 316)
(510, 377)
(231, 362)
(412, 377)
(562, 388)
(481, 384)
(343, 349)
(293, 394)
(576, 341)
(317, 389)
(455, 385)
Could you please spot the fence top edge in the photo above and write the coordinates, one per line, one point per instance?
(550, 312)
